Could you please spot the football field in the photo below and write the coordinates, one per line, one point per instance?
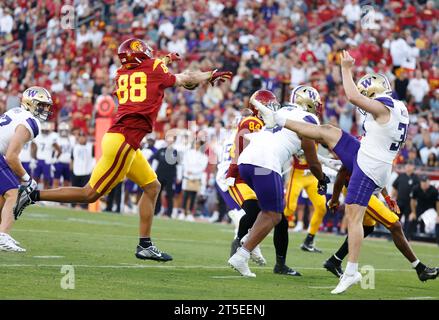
(100, 247)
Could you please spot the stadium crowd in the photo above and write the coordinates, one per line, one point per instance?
(269, 44)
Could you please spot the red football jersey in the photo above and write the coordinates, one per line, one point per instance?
(247, 125)
(140, 93)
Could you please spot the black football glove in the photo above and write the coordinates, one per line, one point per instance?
(322, 186)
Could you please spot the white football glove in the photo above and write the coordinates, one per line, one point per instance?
(331, 163)
(30, 185)
(271, 118)
(230, 181)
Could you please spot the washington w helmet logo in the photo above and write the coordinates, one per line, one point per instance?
(366, 82)
(312, 94)
(32, 93)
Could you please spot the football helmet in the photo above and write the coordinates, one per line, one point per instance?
(267, 98)
(64, 129)
(373, 84)
(133, 51)
(37, 101)
(308, 98)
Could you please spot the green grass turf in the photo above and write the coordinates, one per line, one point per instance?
(101, 249)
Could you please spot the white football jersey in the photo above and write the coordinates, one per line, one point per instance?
(45, 144)
(382, 142)
(224, 160)
(10, 120)
(272, 148)
(66, 144)
(25, 154)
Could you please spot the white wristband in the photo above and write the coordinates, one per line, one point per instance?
(25, 177)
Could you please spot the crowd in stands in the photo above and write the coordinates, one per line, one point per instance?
(266, 44)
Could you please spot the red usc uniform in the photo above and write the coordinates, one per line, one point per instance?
(140, 93)
(240, 191)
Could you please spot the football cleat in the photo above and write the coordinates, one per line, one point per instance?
(239, 262)
(7, 243)
(309, 247)
(428, 274)
(256, 255)
(284, 269)
(23, 200)
(346, 281)
(152, 253)
(335, 269)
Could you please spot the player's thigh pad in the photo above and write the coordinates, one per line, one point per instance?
(267, 185)
(241, 192)
(346, 149)
(113, 166)
(360, 187)
(140, 171)
(379, 212)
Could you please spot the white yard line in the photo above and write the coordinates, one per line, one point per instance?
(158, 266)
(48, 257)
(419, 298)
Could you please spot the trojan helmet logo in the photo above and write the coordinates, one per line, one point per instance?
(136, 45)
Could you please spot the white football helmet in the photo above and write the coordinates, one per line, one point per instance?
(37, 101)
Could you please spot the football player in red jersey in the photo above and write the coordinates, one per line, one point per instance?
(140, 85)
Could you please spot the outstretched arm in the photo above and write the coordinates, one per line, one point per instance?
(374, 107)
(197, 77)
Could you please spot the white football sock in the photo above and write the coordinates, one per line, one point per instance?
(351, 268)
(415, 263)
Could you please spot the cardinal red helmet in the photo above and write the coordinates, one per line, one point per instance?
(267, 98)
(131, 52)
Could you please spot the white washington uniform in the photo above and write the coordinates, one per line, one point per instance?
(273, 148)
(9, 122)
(381, 142)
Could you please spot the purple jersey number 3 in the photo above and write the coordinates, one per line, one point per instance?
(5, 120)
(395, 146)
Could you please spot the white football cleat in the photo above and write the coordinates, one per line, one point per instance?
(239, 262)
(298, 227)
(190, 218)
(256, 255)
(7, 243)
(346, 281)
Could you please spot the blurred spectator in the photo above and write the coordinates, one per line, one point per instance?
(194, 164)
(418, 87)
(167, 164)
(402, 188)
(423, 197)
(82, 162)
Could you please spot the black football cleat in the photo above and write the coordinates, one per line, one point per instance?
(23, 200)
(285, 270)
(152, 253)
(335, 269)
(428, 274)
(236, 243)
(309, 247)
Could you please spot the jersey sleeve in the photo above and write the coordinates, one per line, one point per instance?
(33, 125)
(162, 71)
(310, 118)
(387, 101)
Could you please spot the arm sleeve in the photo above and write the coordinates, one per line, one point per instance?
(33, 126)
(167, 79)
